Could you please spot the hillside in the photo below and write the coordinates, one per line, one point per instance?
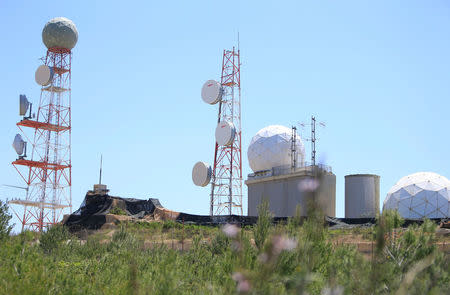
(167, 257)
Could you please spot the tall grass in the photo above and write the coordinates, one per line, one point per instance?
(265, 259)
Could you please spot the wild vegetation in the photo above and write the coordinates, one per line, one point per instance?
(298, 257)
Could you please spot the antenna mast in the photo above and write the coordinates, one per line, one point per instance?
(294, 148)
(313, 140)
(226, 180)
(101, 164)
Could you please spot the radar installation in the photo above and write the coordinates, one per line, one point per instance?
(48, 175)
(226, 174)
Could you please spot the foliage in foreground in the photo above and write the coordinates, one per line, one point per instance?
(5, 228)
(287, 259)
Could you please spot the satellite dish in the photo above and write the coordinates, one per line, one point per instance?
(44, 75)
(211, 92)
(225, 133)
(201, 174)
(19, 145)
(24, 104)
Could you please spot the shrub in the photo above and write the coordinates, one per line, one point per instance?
(220, 243)
(5, 228)
(262, 227)
(117, 211)
(54, 237)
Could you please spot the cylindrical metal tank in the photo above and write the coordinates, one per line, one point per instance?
(362, 195)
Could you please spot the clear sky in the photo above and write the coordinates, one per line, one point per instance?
(377, 72)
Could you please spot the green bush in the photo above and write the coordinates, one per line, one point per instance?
(262, 227)
(5, 217)
(54, 237)
(117, 211)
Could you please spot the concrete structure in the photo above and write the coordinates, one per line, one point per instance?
(100, 189)
(362, 195)
(285, 188)
(420, 195)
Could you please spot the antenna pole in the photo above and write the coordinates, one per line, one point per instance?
(294, 147)
(313, 140)
(238, 43)
(31, 106)
(101, 164)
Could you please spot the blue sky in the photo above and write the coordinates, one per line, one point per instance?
(377, 72)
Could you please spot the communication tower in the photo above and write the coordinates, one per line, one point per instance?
(226, 181)
(226, 174)
(48, 174)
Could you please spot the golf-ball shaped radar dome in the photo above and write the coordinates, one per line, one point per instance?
(420, 195)
(272, 147)
(60, 32)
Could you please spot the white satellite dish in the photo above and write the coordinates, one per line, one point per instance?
(24, 104)
(201, 174)
(225, 133)
(44, 75)
(211, 92)
(20, 146)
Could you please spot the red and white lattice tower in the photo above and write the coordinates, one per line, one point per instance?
(226, 180)
(48, 173)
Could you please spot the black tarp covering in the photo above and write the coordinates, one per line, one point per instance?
(93, 210)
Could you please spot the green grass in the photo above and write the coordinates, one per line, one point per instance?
(289, 259)
(117, 211)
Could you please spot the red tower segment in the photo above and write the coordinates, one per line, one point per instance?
(226, 184)
(48, 174)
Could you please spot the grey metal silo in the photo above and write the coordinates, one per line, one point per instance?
(362, 195)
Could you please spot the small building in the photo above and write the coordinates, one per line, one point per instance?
(284, 188)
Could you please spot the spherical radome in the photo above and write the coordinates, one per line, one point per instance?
(60, 32)
(271, 147)
(420, 195)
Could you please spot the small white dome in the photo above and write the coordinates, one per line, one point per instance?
(271, 147)
(420, 195)
(60, 32)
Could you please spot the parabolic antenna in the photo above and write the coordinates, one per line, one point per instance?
(211, 92)
(225, 133)
(18, 144)
(43, 75)
(24, 104)
(201, 174)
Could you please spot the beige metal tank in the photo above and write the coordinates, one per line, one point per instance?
(362, 195)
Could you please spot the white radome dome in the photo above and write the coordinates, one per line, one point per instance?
(420, 195)
(60, 32)
(271, 147)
